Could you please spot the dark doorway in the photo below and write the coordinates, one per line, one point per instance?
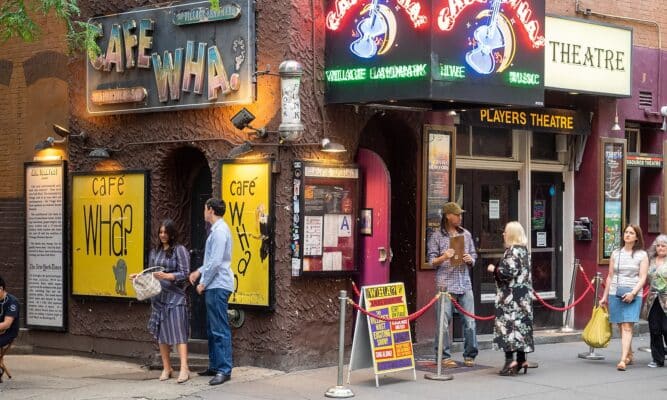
(201, 191)
(546, 202)
(396, 143)
(490, 199)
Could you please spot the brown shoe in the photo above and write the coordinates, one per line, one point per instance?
(449, 363)
(469, 362)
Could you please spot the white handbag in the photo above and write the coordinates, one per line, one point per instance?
(146, 285)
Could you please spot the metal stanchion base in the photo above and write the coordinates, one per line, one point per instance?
(644, 348)
(339, 392)
(566, 329)
(591, 356)
(436, 377)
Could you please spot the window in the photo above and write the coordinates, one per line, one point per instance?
(491, 142)
(544, 146)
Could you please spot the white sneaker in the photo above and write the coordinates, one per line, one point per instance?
(654, 364)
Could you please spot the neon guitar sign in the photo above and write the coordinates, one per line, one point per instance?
(488, 38)
(369, 28)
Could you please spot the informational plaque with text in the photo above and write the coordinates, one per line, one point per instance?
(45, 246)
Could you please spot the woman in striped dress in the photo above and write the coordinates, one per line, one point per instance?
(170, 321)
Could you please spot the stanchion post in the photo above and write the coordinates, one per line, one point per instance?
(443, 326)
(339, 391)
(567, 327)
(592, 355)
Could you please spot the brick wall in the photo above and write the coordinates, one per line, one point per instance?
(28, 107)
(644, 34)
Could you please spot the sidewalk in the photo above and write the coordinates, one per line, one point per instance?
(561, 375)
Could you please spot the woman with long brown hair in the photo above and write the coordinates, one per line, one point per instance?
(628, 268)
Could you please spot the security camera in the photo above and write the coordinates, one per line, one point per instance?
(242, 118)
(663, 111)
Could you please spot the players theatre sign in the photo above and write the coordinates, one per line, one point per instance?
(174, 57)
(484, 51)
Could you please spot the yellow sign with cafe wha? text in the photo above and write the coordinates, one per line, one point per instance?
(246, 191)
(108, 232)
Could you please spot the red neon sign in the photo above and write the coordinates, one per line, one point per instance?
(341, 7)
(447, 17)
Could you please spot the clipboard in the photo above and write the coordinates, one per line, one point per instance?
(457, 243)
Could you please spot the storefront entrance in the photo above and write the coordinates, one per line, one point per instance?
(546, 232)
(490, 199)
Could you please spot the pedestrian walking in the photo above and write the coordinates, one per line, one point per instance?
(628, 268)
(656, 300)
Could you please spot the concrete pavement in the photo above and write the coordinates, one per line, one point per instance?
(561, 375)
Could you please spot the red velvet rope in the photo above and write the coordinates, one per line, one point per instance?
(410, 317)
(464, 312)
(549, 306)
(355, 289)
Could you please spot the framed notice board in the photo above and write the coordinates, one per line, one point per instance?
(325, 218)
(437, 170)
(612, 196)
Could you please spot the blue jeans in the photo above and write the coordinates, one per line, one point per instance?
(467, 301)
(219, 332)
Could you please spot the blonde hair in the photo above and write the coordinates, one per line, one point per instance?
(514, 234)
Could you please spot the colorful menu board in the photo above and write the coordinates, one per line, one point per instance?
(389, 344)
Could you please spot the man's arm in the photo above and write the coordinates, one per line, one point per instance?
(4, 325)
(470, 248)
(213, 260)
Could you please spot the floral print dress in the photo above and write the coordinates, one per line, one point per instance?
(513, 330)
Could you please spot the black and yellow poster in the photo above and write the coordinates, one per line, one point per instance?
(246, 191)
(109, 225)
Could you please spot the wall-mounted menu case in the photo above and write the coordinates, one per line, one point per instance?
(324, 221)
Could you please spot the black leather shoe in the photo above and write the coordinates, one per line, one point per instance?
(206, 372)
(219, 379)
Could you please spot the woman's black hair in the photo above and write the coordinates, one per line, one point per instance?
(170, 228)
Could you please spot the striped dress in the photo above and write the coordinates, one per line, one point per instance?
(170, 320)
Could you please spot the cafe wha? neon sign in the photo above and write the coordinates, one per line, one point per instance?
(447, 16)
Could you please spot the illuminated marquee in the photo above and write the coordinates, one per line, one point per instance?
(341, 7)
(448, 15)
(388, 72)
(212, 66)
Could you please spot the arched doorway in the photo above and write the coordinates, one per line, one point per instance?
(188, 183)
(397, 144)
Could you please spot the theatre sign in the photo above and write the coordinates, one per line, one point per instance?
(173, 58)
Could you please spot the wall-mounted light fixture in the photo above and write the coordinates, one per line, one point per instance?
(326, 146)
(64, 133)
(48, 143)
(242, 120)
(616, 127)
(290, 129)
(105, 152)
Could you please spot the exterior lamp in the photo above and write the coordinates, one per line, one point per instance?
(616, 127)
(99, 153)
(328, 146)
(242, 120)
(49, 142)
(65, 133)
(290, 129)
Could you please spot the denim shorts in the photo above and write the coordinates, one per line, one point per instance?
(624, 312)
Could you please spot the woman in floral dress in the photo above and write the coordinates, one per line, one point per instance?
(513, 330)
